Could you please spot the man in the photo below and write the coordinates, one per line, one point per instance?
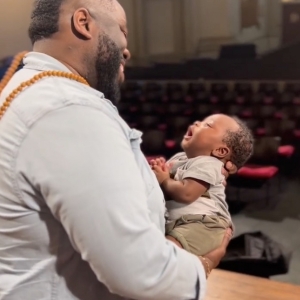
(81, 213)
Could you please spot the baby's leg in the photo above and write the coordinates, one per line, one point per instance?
(170, 238)
(198, 234)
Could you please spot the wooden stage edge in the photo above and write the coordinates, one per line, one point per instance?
(223, 285)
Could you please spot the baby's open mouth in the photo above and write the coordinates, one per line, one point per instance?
(189, 133)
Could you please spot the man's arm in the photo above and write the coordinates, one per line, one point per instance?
(83, 165)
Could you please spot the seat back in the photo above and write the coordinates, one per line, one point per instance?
(265, 151)
(153, 142)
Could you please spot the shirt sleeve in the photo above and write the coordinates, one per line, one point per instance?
(82, 164)
(176, 161)
(205, 168)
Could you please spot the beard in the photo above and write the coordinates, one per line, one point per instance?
(107, 67)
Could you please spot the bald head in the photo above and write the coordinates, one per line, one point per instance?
(46, 13)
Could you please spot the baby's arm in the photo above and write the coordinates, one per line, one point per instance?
(185, 191)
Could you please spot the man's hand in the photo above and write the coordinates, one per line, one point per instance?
(229, 169)
(214, 257)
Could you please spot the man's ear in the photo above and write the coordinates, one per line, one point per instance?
(221, 152)
(81, 23)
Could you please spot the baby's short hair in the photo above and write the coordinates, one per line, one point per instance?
(241, 143)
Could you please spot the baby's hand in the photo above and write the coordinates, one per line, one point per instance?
(158, 162)
(161, 172)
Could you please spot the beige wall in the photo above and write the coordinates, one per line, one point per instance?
(185, 28)
(14, 22)
(159, 27)
(163, 28)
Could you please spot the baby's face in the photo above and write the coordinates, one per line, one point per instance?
(204, 137)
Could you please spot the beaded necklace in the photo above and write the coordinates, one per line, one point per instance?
(30, 82)
(11, 70)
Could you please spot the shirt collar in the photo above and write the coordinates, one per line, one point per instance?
(43, 62)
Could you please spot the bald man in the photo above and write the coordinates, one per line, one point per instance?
(81, 213)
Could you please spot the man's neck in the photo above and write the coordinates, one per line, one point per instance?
(49, 48)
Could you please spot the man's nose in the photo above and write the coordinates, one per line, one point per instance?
(126, 54)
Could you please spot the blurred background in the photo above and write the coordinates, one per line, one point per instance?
(192, 58)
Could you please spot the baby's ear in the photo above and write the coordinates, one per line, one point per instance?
(221, 152)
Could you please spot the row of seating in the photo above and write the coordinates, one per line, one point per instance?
(281, 100)
(213, 86)
(202, 109)
(171, 107)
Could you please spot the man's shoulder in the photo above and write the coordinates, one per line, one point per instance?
(50, 94)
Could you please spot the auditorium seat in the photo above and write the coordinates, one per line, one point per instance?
(286, 98)
(294, 112)
(262, 167)
(175, 108)
(202, 111)
(176, 96)
(266, 111)
(153, 142)
(154, 96)
(153, 87)
(286, 151)
(234, 110)
(131, 86)
(268, 88)
(195, 87)
(253, 124)
(247, 112)
(293, 88)
(219, 89)
(243, 89)
(201, 97)
(178, 123)
(174, 87)
(287, 130)
(148, 122)
(131, 96)
(148, 108)
(229, 98)
(296, 100)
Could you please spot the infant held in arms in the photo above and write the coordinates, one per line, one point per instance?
(192, 181)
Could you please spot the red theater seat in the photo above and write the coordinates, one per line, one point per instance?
(258, 172)
(170, 144)
(261, 169)
(286, 151)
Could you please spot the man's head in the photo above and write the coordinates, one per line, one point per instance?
(226, 138)
(88, 36)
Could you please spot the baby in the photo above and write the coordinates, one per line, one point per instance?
(192, 181)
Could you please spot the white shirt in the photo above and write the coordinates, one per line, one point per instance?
(81, 213)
